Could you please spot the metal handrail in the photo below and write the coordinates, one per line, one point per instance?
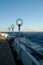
(34, 52)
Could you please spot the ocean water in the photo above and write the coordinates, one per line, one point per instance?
(33, 36)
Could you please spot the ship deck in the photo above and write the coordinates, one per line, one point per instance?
(6, 57)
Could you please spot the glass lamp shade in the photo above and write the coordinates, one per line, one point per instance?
(12, 26)
(19, 22)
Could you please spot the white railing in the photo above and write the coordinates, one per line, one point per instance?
(20, 47)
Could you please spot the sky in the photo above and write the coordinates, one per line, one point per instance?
(30, 11)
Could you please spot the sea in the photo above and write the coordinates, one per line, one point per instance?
(35, 37)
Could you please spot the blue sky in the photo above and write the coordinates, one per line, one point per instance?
(31, 11)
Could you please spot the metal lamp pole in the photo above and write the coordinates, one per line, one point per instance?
(19, 23)
(12, 26)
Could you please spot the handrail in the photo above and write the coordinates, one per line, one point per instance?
(34, 52)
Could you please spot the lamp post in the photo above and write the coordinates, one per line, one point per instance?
(12, 26)
(19, 22)
(9, 29)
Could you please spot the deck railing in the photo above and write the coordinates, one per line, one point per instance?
(34, 54)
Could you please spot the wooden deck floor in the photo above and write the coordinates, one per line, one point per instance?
(6, 57)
